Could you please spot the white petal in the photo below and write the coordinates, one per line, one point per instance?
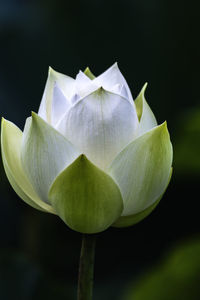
(120, 90)
(111, 77)
(75, 98)
(100, 125)
(82, 80)
(45, 153)
(60, 105)
(84, 85)
(65, 83)
(146, 117)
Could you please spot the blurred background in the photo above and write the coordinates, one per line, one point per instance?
(155, 41)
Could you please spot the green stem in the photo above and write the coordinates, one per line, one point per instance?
(86, 267)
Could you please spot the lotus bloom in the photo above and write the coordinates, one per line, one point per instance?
(91, 155)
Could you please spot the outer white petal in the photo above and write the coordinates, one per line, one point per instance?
(45, 153)
(100, 125)
(111, 77)
(11, 139)
(65, 83)
(146, 117)
(143, 168)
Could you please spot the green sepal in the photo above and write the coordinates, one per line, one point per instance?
(85, 197)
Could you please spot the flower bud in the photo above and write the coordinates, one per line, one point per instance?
(91, 155)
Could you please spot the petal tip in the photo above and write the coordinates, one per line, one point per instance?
(2, 121)
(99, 91)
(161, 129)
(164, 125)
(87, 69)
(52, 73)
(34, 115)
(35, 118)
(145, 86)
(89, 74)
(143, 90)
(115, 65)
(82, 157)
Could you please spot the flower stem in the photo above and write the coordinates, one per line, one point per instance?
(86, 267)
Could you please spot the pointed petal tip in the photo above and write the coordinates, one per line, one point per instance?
(145, 86)
(34, 115)
(143, 90)
(50, 70)
(52, 73)
(87, 69)
(2, 120)
(88, 73)
(99, 91)
(161, 129)
(35, 118)
(115, 65)
(163, 125)
(82, 157)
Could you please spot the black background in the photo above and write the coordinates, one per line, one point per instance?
(155, 41)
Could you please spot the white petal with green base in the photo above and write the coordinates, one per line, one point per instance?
(142, 169)
(11, 139)
(45, 153)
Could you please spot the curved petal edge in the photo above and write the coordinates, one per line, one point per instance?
(85, 197)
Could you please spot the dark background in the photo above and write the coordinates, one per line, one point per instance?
(155, 41)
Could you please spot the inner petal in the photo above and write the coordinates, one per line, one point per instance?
(100, 125)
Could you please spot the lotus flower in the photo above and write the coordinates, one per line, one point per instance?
(91, 155)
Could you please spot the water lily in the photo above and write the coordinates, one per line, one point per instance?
(91, 155)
